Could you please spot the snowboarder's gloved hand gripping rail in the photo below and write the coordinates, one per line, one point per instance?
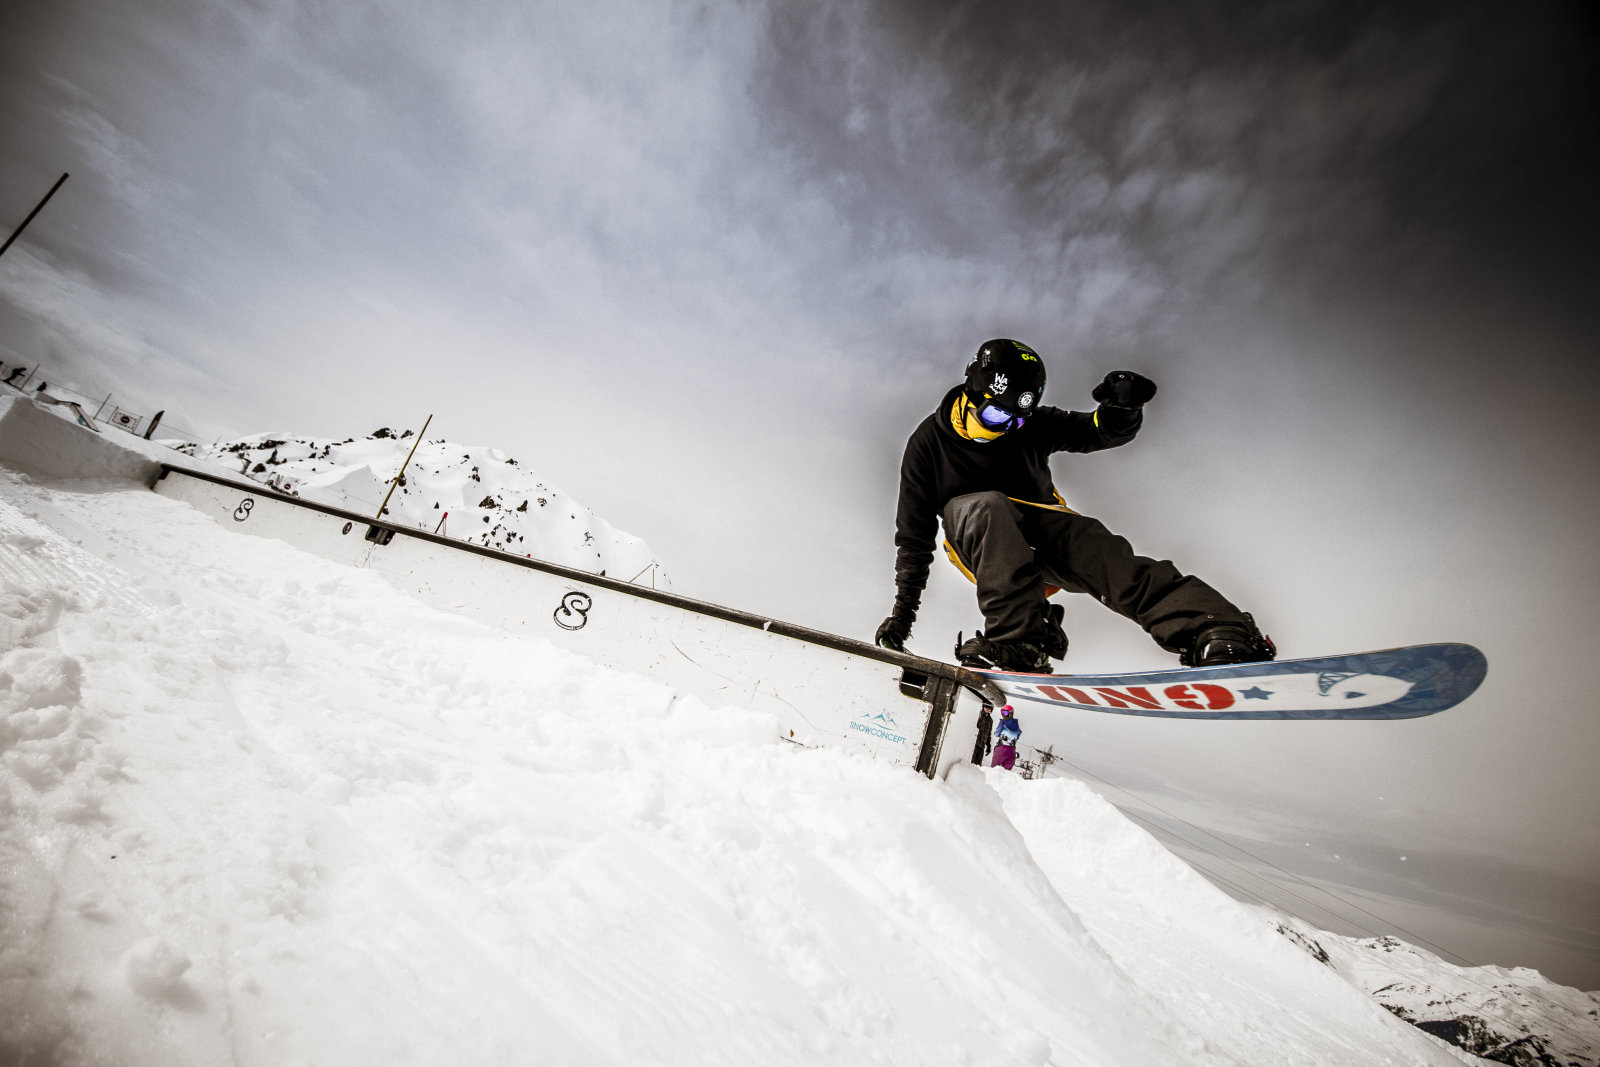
(894, 630)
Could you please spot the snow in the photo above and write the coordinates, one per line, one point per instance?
(258, 807)
(40, 438)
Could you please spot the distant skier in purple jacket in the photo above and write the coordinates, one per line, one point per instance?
(1006, 733)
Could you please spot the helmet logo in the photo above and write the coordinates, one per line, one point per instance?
(1025, 400)
(998, 386)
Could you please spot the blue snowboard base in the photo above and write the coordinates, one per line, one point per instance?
(1395, 683)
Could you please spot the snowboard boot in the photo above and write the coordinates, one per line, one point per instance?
(1217, 642)
(1053, 638)
(1023, 657)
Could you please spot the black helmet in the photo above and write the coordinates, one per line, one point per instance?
(1007, 374)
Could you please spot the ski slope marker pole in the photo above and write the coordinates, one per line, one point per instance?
(18, 231)
(383, 506)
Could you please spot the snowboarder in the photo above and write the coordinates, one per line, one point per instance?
(1006, 735)
(980, 463)
(980, 747)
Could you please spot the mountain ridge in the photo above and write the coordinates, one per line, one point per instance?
(473, 493)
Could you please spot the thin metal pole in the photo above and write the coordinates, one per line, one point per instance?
(102, 406)
(31, 214)
(402, 471)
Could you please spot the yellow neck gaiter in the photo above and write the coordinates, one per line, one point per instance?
(965, 422)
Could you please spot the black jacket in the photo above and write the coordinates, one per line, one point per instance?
(940, 464)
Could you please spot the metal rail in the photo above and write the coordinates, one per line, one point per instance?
(917, 678)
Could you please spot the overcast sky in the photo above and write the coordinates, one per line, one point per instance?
(706, 265)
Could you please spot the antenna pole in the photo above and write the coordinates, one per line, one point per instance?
(16, 232)
(383, 506)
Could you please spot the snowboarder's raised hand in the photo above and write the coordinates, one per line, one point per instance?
(1125, 389)
(892, 633)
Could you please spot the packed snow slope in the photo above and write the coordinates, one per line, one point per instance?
(257, 807)
(468, 492)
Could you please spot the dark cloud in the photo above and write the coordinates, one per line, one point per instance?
(1203, 150)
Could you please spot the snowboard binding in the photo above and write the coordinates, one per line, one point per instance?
(1022, 657)
(1219, 642)
(1030, 655)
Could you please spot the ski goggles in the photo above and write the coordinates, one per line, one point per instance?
(998, 418)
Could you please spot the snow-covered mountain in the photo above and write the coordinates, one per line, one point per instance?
(1505, 1015)
(468, 492)
(257, 807)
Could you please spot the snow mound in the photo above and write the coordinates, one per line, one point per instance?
(468, 492)
(40, 439)
(155, 968)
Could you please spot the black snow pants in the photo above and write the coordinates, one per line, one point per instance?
(1013, 550)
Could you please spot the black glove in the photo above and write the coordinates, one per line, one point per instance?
(1125, 389)
(892, 633)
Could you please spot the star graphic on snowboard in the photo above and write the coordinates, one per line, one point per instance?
(1255, 692)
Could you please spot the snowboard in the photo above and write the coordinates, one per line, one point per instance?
(1394, 683)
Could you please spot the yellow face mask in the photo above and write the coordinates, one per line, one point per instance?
(964, 418)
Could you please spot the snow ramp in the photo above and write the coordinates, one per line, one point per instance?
(35, 439)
